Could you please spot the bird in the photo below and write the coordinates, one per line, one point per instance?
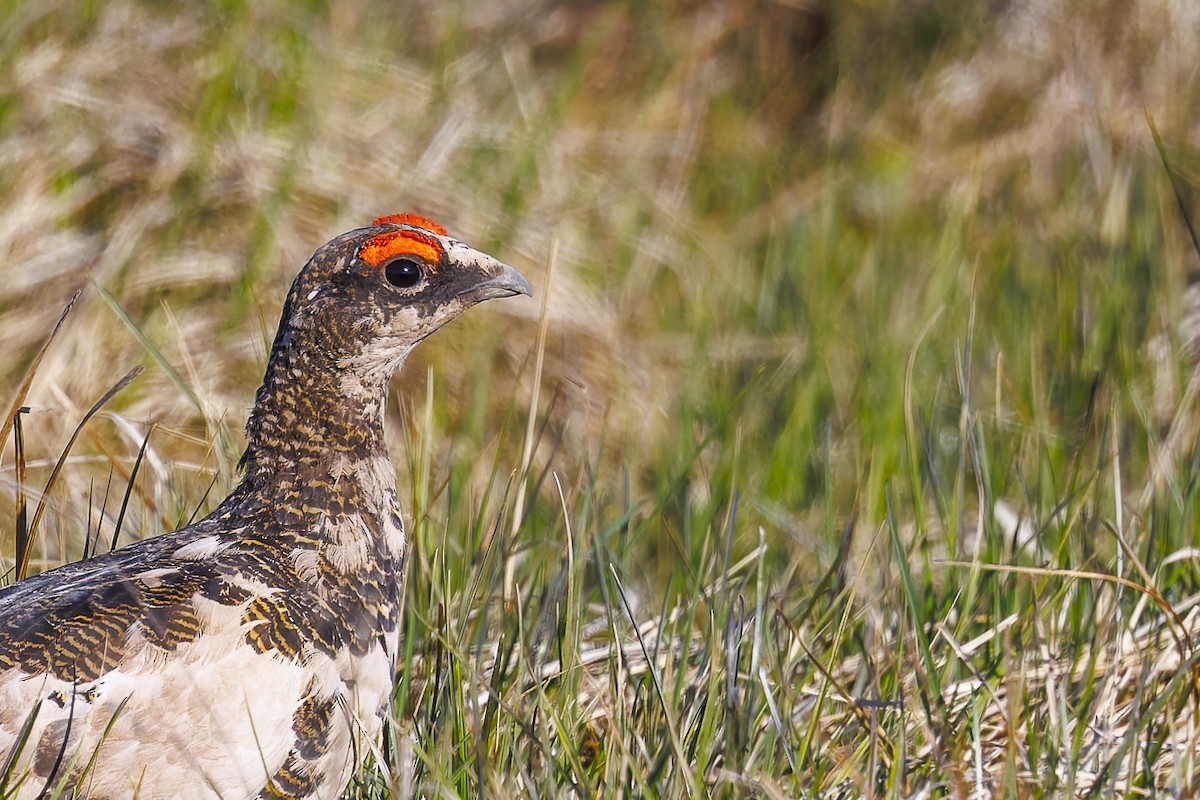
(253, 652)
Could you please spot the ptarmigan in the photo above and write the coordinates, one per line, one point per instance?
(252, 653)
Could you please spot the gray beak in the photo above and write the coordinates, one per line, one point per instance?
(500, 280)
(506, 283)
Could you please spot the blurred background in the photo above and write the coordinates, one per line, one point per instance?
(806, 250)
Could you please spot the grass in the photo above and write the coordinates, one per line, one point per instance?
(863, 438)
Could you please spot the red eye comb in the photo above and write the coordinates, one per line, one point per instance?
(385, 246)
(416, 220)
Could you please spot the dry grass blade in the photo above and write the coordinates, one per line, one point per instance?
(23, 556)
(1175, 188)
(1079, 574)
(539, 363)
(531, 426)
(27, 381)
(21, 505)
(24, 536)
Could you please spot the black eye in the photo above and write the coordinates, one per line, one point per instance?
(403, 273)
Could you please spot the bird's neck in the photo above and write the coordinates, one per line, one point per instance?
(312, 426)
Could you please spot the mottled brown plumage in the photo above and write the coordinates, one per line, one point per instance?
(252, 653)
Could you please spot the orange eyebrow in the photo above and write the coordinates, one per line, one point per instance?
(415, 220)
(379, 249)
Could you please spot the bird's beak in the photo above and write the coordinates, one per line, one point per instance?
(506, 283)
(499, 280)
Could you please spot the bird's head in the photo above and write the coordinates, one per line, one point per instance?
(367, 297)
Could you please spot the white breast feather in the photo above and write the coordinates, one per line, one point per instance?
(207, 711)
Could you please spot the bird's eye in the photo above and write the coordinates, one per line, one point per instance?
(403, 273)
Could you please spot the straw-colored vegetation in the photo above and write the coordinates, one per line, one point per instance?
(863, 458)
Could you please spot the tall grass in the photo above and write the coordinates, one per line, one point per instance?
(863, 452)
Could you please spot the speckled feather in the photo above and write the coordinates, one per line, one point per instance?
(250, 654)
